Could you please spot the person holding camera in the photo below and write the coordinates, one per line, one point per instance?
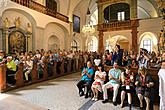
(143, 58)
(143, 84)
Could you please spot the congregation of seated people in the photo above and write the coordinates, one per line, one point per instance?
(138, 85)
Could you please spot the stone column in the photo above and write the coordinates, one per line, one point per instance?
(134, 39)
(101, 46)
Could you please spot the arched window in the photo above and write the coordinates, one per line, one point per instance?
(74, 45)
(52, 5)
(90, 46)
(147, 44)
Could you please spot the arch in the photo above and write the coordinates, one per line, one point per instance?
(117, 39)
(53, 42)
(111, 11)
(148, 36)
(59, 31)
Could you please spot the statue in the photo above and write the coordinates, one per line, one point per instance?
(6, 23)
(162, 38)
(29, 28)
(17, 22)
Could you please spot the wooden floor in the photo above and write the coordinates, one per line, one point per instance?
(14, 103)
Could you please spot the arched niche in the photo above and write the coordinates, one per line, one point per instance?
(53, 43)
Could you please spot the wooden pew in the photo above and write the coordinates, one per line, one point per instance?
(154, 74)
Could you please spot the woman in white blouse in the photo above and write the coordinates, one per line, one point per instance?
(99, 81)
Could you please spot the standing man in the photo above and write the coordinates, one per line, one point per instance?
(114, 81)
(86, 80)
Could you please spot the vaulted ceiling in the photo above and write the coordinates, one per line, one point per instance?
(146, 9)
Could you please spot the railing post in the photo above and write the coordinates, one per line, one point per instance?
(19, 76)
(34, 73)
(2, 78)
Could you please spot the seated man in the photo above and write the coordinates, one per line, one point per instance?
(11, 70)
(114, 81)
(86, 79)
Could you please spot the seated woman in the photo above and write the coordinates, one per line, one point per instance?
(127, 79)
(143, 83)
(28, 66)
(99, 81)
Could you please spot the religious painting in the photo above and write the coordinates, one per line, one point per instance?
(17, 41)
(76, 24)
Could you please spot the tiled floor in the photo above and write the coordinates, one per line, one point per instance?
(59, 94)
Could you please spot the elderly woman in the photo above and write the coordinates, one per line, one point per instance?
(127, 79)
(143, 83)
(99, 81)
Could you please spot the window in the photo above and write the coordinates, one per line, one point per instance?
(147, 44)
(74, 45)
(121, 16)
(52, 5)
(90, 46)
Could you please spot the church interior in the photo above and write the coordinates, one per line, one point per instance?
(50, 42)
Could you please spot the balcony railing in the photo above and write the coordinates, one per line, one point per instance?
(43, 9)
(120, 25)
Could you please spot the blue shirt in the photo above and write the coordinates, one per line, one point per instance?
(116, 73)
(89, 71)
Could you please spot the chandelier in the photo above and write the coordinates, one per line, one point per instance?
(88, 29)
(3, 2)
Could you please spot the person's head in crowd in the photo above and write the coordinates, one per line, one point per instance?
(115, 65)
(100, 67)
(1, 53)
(127, 69)
(89, 64)
(117, 48)
(9, 58)
(98, 57)
(142, 71)
(28, 58)
(37, 52)
(107, 52)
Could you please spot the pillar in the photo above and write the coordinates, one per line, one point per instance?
(134, 39)
(101, 46)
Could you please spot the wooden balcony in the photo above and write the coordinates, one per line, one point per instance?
(40, 8)
(120, 25)
(112, 1)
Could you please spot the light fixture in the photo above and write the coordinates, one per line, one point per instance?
(88, 28)
(3, 3)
